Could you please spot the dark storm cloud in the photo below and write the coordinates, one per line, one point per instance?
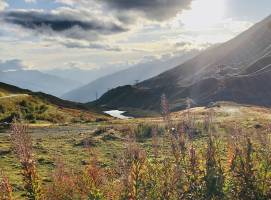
(60, 22)
(153, 9)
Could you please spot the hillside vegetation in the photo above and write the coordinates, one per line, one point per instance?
(39, 107)
(221, 152)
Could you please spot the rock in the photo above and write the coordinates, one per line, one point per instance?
(257, 126)
(84, 162)
(4, 152)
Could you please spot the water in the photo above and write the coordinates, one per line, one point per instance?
(117, 114)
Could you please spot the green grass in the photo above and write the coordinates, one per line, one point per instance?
(108, 139)
(64, 142)
(37, 107)
(36, 110)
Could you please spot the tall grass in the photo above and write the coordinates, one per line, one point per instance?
(22, 145)
(180, 166)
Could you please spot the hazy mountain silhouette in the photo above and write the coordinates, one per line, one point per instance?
(131, 75)
(37, 81)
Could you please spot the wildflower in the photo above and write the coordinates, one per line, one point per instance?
(22, 144)
(5, 188)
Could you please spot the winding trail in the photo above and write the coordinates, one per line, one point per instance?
(14, 95)
(258, 72)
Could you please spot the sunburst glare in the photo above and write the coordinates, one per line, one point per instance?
(204, 14)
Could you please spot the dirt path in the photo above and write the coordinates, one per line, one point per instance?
(14, 95)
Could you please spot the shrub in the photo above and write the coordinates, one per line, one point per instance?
(2, 109)
(10, 117)
(42, 109)
(144, 131)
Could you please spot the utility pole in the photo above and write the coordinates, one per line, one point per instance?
(136, 82)
(96, 95)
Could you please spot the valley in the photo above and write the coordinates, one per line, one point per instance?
(135, 100)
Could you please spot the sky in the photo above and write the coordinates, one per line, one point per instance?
(91, 34)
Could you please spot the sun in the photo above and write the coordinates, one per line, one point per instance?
(204, 14)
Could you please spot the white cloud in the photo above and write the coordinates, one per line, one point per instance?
(66, 2)
(3, 5)
(145, 36)
(30, 1)
(14, 64)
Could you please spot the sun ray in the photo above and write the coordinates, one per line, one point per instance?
(204, 14)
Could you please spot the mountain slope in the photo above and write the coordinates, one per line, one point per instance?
(238, 70)
(36, 106)
(131, 75)
(84, 76)
(38, 81)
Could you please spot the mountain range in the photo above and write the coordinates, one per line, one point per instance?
(132, 75)
(37, 81)
(238, 70)
(83, 76)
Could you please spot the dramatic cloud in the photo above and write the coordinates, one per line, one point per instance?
(3, 5)
(131, 10)
(64, 22)
(11, 65)
(158, 10)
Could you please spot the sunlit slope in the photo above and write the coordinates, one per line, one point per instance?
(39, 107)
(238, 70)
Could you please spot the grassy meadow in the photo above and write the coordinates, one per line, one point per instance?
(222, 152)
(37, 110)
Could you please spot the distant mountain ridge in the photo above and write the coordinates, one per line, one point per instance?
(7, 90)
(131, 75)
(83, 76)
(37, 81)
(238, 70)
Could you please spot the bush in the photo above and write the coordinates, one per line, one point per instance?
(2, 109)
(56, 118)
(42, 109)
(10, 117)
(144, 131)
